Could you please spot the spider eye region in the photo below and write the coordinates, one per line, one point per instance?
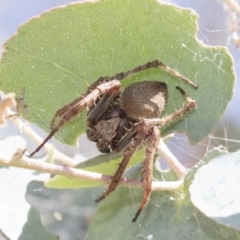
(145, 99)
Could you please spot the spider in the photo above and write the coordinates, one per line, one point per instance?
(121, 122)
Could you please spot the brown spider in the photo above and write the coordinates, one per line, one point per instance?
(122, 122)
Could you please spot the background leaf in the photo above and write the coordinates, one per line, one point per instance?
(167, 216)
(215, 189)
(66, 213)
(57, 56)
(33, 228)
(206, 159)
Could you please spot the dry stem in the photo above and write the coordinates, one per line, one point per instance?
(28, 163)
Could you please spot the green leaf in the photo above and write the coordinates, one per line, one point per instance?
(64, 212)
(33, 228)
(167, 216)
(56, 56)
(215, 189)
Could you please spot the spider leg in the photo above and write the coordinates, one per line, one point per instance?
(153, 64)
(188, 106)
(147, 174)
(78, 106)
(141, 130)
(117, 176)
(64, 109)
(101, 106)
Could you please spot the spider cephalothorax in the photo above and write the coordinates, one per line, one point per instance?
(121, 122)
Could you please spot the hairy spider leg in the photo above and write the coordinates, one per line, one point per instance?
(101, 106)
(136, 137)
(153, 64)
(147, 173)
(62, 111)
(140, 131)
(90, 99)
(190, 105)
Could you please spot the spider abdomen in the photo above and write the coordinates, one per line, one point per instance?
(145, 99)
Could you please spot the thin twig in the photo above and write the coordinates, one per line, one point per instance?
(58, 156)
(176, 166)
(29, 163)
(4, 235)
